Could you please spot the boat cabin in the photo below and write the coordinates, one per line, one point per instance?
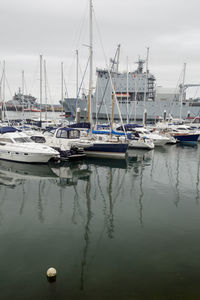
(67, 133)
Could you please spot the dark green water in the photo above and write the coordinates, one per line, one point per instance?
(112, 230)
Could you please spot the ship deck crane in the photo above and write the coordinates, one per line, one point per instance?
(186, 86)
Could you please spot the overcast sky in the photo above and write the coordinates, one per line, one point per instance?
(56, 28)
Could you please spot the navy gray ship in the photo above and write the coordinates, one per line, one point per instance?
(135, 93)
(19, 101)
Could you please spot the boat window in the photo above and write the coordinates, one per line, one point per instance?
(5, 140)
(61, 134)
(38, 139)
(74, 134)
(22, 140)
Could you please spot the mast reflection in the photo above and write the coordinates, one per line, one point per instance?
(197, 182)
(23, 200)
(141, 197)
(14, 174)
(109, 178)
(86, 234)
(177, 199)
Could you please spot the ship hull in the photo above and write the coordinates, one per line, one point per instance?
(154, 109)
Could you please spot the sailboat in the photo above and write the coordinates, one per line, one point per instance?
(103, 146)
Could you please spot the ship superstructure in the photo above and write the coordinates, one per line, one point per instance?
(128, 88)
(19, 100)
(131, 87)
(134, 92)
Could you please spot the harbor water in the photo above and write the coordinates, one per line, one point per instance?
(113, 230)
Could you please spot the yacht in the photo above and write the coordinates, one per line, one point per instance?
(182, 133)
(17, 146)
(158, 139)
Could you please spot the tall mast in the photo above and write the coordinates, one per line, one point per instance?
(147, 62)
(146, 79)
(135, 95)
(127, 93)
(182, 90)
(23, 95)
(114, 87)
(76, 80)
(4, 89)
(1, 106)
(118, 53)
(45, 88)
(62, 86)
(40, 90)
(91, 64)
(77, 62)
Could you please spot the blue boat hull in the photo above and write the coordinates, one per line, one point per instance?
(107, 150)
(190, 139)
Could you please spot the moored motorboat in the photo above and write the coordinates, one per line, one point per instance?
(67, 141)
(17, 146)
(182, 133)
(186, 138)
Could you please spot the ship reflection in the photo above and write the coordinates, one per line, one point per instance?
(138, 155)
(13, 173)
(70, 173)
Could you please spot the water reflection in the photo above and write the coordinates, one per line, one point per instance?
(23, 200)
(138, 161)
(197, 182)
(101, 213)
(110, 184)
(13, 173)
(139, 155)
(141, 195)
(177, 199)
(86, 234)
(105, 162)
(70, 173)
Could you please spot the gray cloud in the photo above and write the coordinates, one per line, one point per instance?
(56, 28)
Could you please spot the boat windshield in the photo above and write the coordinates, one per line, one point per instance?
(6, 140)
(22, 140)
